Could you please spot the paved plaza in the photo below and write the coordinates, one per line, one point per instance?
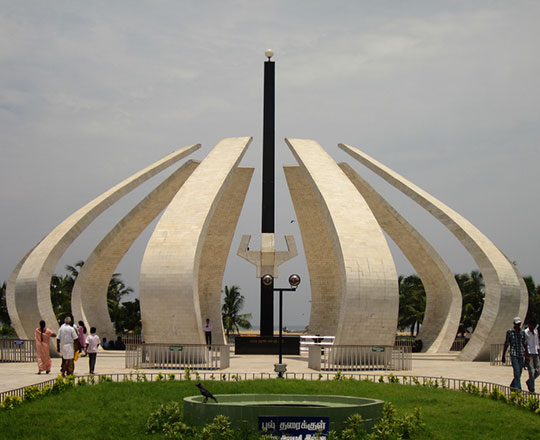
(16, 375)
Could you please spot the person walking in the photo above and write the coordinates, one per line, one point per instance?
(208, 332)
(43, 337)
(81, 330)
(92, 344)
(64, 344)
(531, 334)
(519, 355)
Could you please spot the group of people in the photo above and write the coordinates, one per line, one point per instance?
(113, 345)
(524, 347)
(71, 341)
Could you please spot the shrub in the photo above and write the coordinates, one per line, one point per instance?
(391, 427)
(354, 428)
(166, 414)
(392, 378)
(179, 431)
(32, 393)
(58, 385)
(218, 429)
(10, 402)
(497, 394)
(533, 404)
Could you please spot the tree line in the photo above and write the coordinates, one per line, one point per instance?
(126, 315)
(412, 300)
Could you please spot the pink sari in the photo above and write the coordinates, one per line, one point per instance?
(42, 349)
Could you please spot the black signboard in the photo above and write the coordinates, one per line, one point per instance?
(295, 428)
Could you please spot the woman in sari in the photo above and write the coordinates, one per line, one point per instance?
(43, 335)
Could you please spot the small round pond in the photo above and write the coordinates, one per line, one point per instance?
(246, 410)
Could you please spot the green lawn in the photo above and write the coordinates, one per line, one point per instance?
(120, 410)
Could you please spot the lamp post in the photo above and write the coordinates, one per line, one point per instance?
(294, 281)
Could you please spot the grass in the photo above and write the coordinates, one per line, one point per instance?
(120, 410)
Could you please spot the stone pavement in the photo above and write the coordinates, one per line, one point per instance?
(16, 375)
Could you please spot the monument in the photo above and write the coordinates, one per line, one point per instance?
(352, 276)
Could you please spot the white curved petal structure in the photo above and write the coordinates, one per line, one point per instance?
(10, 300)
(89, 295)
(169, 281)
(322, 263)
(217, 245)
(367, 275)
(443, 297)
(524, 294)
(32, 289)
(503, 293)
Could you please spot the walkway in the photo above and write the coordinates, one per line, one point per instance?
(16, 375)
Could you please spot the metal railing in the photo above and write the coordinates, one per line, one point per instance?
(459, 344)
(129, 338)
(17, 350)
(309, 340)
(425, 381)
(495, 355)
(404, 341)
(354, 358)
(178, 356)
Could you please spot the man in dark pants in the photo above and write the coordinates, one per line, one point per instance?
(92, 344)
(208, 332)
(519, 355)
(533, 366)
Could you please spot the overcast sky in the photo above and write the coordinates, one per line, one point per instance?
(445, 93)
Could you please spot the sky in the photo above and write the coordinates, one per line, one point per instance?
(444, 93)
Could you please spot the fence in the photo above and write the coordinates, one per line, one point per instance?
(307, 341)
(495, 355)
(354, 358)
(129, 338)
(459, 344)
(408, 341)
(17, 350)
(209, 357)
(426, 381)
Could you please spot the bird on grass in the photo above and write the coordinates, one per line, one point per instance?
(207, 394)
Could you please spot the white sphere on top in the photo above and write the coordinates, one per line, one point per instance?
(269, 53)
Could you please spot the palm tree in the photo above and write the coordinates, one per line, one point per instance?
(472, 291)
(4, 316)
(412, 302)
(117, 289)
(534, 300)
(230, 311)
(5, 321)
(62, 286)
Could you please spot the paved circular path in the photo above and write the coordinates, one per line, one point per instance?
(16, 375)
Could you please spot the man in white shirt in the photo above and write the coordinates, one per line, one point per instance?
(65, 337)
(531, 335)
(208, 332)
(92, 344)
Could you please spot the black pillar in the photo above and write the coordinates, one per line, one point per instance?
(268, 198)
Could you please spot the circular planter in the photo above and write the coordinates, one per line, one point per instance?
(244, 410)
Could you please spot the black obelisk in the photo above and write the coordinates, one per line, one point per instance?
(268, 166)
